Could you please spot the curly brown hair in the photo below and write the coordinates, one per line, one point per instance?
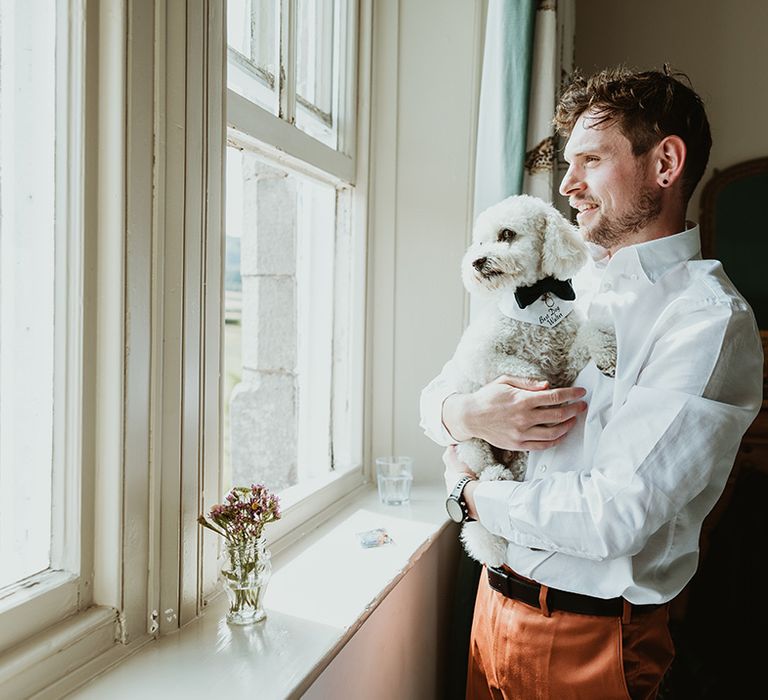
(647, 106)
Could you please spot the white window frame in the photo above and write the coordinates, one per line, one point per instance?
(56, 621)
(40, 600)
(139, 550)
(277, 139)
(146, 120)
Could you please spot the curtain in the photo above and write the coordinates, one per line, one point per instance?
(552, 67)
(527, 60)
(504, 88)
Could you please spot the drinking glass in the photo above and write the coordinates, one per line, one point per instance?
(394, 476)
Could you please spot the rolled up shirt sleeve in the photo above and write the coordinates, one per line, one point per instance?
(669, 447)
(431, 406)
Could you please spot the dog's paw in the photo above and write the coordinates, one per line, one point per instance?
(602, 348)
(518, 467)
(494, 473)
(482, 545)
(476, 454)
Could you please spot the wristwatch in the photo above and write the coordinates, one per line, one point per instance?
(455, 504)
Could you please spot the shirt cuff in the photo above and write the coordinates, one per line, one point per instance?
(491, 503)
(431, 423)
(446, 432)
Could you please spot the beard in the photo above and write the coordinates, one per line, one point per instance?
(608, 232)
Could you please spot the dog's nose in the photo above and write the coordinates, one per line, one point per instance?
(478, 264)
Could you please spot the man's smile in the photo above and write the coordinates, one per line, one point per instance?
(584, 209)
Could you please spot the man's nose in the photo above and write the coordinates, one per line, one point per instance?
(570, 183)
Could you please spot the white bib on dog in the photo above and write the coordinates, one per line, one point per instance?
(548, 310)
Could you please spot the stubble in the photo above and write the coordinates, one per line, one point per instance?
(610, 232)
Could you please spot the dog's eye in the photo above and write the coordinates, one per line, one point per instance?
(506, 235)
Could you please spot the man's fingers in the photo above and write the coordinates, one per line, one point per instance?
(553, 397)
(524, 383)
(539, 445)
(550, 433)
(553, 416)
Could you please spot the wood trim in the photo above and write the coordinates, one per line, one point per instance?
(764, 339)
(30, 667)
(190, 197)
(284, 142)
(138, 292)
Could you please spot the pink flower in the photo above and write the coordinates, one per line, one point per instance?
(244, 514)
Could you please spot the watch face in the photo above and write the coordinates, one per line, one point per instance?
(454, 510)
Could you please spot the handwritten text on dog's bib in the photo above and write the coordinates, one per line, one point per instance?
(548, 310)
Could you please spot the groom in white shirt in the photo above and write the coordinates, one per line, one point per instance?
(604, 530)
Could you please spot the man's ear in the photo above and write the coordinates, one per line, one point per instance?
(563, 253)
(670, 160)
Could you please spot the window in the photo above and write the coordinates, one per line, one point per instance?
(40, 325)
(293, 378)
(111, 210)
(253, 46)
(27, 281)
(317, 68)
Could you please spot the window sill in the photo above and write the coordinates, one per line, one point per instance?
(323, 588)
(58, 651)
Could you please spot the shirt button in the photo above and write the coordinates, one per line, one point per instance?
(607, 286)
(543, 468)
(633, 277)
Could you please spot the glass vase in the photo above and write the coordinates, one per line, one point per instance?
(245, 569)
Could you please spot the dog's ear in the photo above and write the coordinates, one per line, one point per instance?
(563, 252)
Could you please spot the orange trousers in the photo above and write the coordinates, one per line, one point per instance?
(518, 652)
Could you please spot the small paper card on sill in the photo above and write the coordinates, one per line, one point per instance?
(374, 538)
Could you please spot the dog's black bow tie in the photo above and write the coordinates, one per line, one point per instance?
(525, 296)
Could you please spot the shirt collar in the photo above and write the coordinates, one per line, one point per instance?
(654, 257)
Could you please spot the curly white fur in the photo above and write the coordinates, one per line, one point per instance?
(516, 243)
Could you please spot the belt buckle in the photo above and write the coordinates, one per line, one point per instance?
(516, 588)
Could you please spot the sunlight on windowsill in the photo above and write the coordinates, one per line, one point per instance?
(321, 592)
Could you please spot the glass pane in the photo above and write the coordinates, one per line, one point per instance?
(252, 50)
(315, 232)
(314, 49)
(279, 291)
(317, 67)
(233, 296)
(27, 131)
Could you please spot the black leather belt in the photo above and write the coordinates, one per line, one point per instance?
(528, 593)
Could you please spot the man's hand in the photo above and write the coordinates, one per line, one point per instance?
(514, 413)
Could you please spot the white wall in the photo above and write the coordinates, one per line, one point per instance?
(721, 46)
(426, 85)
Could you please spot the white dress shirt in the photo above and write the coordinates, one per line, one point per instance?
(617, 507)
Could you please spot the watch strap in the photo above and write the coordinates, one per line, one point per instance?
(457, 494)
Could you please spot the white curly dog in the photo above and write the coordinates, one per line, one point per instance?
(522, 257)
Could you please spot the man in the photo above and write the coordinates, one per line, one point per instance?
(603, 532)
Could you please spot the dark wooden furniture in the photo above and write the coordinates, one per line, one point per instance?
(734, 230)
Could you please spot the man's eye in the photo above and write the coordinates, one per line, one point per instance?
(590, 159)
(506, 235)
